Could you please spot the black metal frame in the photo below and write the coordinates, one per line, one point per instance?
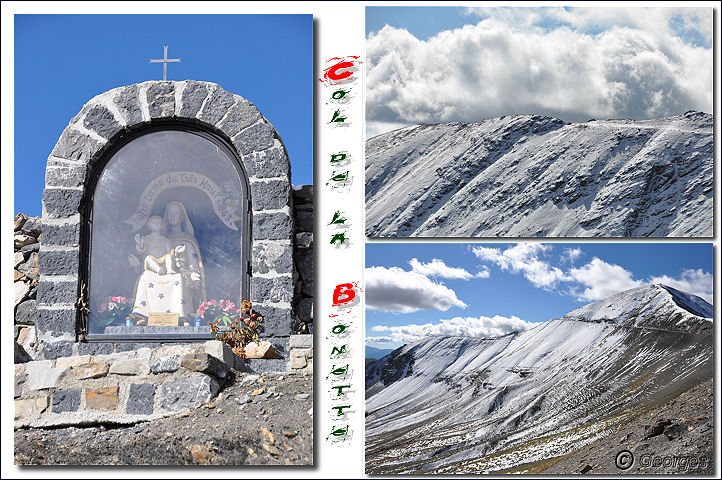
(86, 217)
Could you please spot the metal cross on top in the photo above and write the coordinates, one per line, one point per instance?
(165, 60)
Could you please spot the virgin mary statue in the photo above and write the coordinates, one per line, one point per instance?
(172, 281)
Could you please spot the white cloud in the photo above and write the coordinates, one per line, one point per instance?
(437, 268)
(571, 255)
(524, 258)
(601, 63)
(396, 290)
(457, 326)
(601, 279)
(696, 282)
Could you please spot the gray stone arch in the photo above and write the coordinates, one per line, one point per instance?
(101, 123)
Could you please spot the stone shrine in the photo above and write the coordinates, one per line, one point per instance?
(159, 196)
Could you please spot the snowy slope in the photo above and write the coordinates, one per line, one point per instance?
(464, 405)
(530, 175)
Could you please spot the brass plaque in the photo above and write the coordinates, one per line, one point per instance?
(162, 319)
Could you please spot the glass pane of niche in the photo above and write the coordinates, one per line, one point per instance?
(168, 232)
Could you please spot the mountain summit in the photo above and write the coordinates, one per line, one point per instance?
(535, 176)
(468, 405)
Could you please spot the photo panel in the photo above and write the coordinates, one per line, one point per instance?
(539, 358)
(539, 122)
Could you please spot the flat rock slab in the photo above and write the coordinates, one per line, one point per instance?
(205, 363)
(188, 392)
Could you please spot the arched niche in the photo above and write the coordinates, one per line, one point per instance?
(119, 118)
(168, 229)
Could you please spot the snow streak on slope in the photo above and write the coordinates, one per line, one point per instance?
(463, 405)
(530, 175)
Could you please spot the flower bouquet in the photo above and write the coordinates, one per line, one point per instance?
(236, 327)
(113, 311)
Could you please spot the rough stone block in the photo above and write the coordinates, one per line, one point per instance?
(140, 399)
(301, 341)
(304, 239)
(33, 226)
(20, 355)
(52, 292)
(72, 361)
(56, 322)
(166, 364)
(272, 290)
(30, 267)
(268, 163)
(192, 98)
(241, 115)
(18, 382)
(269, 257)
(302, 352)
(270, 195)
(298, 362)
(276, 321)
(67, 234)
(272, 226)
(30, 407)
(66, 401)
(75, 145)
(53, 350)
(59, 262)
(221, 351)
(304, 310)
(30, 249)
(204, 363)
(128, 346)
(267, 365)
(61, 202)
(102, 398)
(90, 370)
(101, 120)
(304, 263)
(26, 313)
(133, 366)
(42, 376)
(22, 290)
(262, 349)
(95, 348)
(216, 106)
(255, 138)
(66, 176)
(161, 99)
(188, 392)
(304, 221)
(128, 104)
(19, 259)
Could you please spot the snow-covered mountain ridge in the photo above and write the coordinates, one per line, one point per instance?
(463, 405)
(530, 175)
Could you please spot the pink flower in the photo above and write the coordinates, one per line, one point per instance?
(259, 319)
(246, 321)
(253, 315)
(252, 325)
(213, 301)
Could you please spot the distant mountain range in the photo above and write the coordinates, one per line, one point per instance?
(468, 405)
(537, 176)
(376, 353)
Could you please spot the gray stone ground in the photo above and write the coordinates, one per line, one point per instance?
(256, 420)
(678, 434)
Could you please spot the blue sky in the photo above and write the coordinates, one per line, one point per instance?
(62, 61)
(447, 64)
(503, 286)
